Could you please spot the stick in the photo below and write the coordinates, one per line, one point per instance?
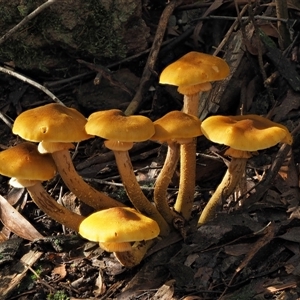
(29, 81)
(144, 83)
(26, 20)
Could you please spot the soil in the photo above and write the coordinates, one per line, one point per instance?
(251, 249)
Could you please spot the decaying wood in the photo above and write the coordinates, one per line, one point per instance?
(9, 279)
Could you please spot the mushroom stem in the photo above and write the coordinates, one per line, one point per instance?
(230, 180)
(134, 192)
(53, 209)
(78, 186)
(191, 103)
(132, 258)
(163, 180)
(185, 198)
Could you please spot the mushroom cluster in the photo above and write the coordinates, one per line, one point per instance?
(130, 231)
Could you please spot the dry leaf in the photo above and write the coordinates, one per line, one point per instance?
(165, 292)
(60, 271)
(16, 223)
(292, 234)
(289, 103)
(100, 285)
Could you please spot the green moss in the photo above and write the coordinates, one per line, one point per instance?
(51, 39)
(104, 40)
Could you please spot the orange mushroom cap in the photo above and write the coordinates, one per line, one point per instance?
(23, 161)
(114, 125)
(176, 125)
(118, 225)
(245, 133)
(51, 123)
(193, 72)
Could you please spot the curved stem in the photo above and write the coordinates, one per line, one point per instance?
(230, 180)
(53, 209)
(163, 180)
(78, 186)
(135, 194)
(185, 198)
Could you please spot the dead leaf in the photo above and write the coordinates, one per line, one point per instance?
(269, 29)
(165, 292)
(289, 103)
(16, 223)
(100, 285)
(60, 271)
(292, 234)
(237, 250)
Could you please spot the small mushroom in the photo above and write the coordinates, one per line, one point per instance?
(192, 73)
(28, 168)
(180, 128)
(121, 132)
(243, 134)
(56, 127)
(117, 228)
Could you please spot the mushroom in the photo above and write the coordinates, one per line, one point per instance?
(121, 132)
(192, 73)
(243, 134)
(28, 168)
(117, 228)
(176, 128)
(56, 127)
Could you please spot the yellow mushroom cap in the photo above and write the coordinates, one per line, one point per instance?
(118, 225)
(194, 69)
(114, 125)
(25, 162)
(176, 125)
(246, 133)
(51, 123)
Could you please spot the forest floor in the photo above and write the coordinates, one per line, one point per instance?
(251, 250)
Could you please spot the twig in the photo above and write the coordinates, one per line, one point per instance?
(68, 80)
(29, 81)
(231, 29)
(260, 54)
(282, 13)
(38, 277)
(256, 17)
(5, 119)
(106, 73)
(26, 20)
(149, 67)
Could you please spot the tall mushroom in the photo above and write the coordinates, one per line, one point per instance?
(121, 132)
(243, 134)
(56, 127)
(28, 168)
(180, 128)
(192, 73)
